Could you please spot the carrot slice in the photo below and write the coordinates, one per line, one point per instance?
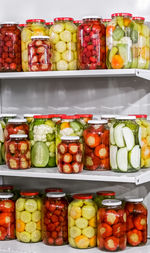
(117, 62)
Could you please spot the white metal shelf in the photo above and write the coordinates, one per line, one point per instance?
(137, 178)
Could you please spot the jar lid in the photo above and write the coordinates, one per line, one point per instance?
(29, 193)
(84, 115)
(97, 122)
(125, 117)
(139, 116)
(70, 138)
(138, 18)
(5, 195)
(49, 23)
(83, 196)
(22, 25)
(70, 117)
(13, 136)
(63, 19)
(6, 187)
(53, 190)
(55, 194)
(108, 116)
(91, 17)
(133, 199)
(77, 21)
(121, 15)
(58, 115)
(106, 193)
(7, 115)
(35, 20)
(17, 121)
(39, 37)
(106, 20)
(40, 116)
(111, 202)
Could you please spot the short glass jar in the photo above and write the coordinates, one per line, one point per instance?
(15, 126)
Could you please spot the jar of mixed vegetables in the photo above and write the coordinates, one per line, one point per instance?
(70, 156)
(121, 36)
(42, 138)
(82, 222)
(96, 145)
(141, 50)
(91, 44)
(101, 195)
(125, 151)
(34, 27)
(55, 219)
(28, 217)
(10, 47)
(7, 216)
(136, 221)
(63, 38)
(39, 54)
(111, 230)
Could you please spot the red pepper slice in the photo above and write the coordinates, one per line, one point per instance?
(100, 215)
(122, 216)
(12, 147)
(101, 151)
(3, 233)
(105, 163)
(104, 230)
(140, 222)
(139, 208)
(92, 140)
(62, 148)
(130, 207)
(67, 168)
(111, 243)
(23, 146)
(130, 224)
(73, 148)
(67, 158)
(123, 242)
(7, 206)
(134, 237)
(111, 217)
(119, 229)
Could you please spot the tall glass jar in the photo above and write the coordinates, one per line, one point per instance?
(39, 54)
(120, 37)
(70, 156)
(136, 221)
(63, 38)
(111, 230)
(125, 151)
(34, 27)
(96, 145)
(91, 44)
(55, 219)
(18, 152)
(101, 195)
(141, 52)
(7, 216)
(28, 217)
(42, 138)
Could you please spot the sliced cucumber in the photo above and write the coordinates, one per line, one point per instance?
(135, 157)
(122, 159)
(118, 135)
(113, 157)
(140, 136)
(1, 134)
(112, 140)
(128, 137)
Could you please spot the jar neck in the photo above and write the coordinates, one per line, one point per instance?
(126, 17)
(92, 20)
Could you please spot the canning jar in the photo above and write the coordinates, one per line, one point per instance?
(15, 126)
(91, 44)
(101, 195)
(106, 21)
(82, 222)
(18, 152)
(96, 145)
(125, 151)
(55, 219)
(69, 154)
(111, 229)
(63, 38)
(10, 47)
(39, 54)
(28, 217)
(141, 50)
(34, 27)
(136, 221)
(42, 138)
(120, 37)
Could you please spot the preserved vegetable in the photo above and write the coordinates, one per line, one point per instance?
(16, 126)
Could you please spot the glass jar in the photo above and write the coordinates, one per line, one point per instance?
(125, 151)
(106, 21)
(18, 152)
(39, 54)
(16, 126)
(91, 44)
(55, 219)
(136, 221)
(34, 27)
(101, 195)
(28, 217)
(42, 138)
(111, 229)
(70, 156)
(2, 127)
(141, 50)
(96, 145)
(10, 47)
(82, 222)
(63, 36)
(120, 37)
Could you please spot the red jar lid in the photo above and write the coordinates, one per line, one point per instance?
(70, 117)
(26, 193)
(63, 19)
(106, 193)
(57, 115)
(35, 20)
(53, 190)
(83, 196)
(40, 116)
(138, 18)
(77, 21)
(121, 15)
(84, 115)
(22, 25)
(6, 187)
(106, 20)
(139, 116)
(49, 23)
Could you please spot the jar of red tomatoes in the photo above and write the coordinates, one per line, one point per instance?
(18, 152)
(101, 195)
(16, 126)
(10, 47)
(39, 53)
(96, 145)
(7, 216)
(136, 221)
(55, 219)
(91, 44)
(70, 156)
(111, 229)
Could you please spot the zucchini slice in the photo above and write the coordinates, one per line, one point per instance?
(140, 136)
(122, 159)
(118, 135)
(112, 140)
(113, 157)
(135, 157)
(128, 137)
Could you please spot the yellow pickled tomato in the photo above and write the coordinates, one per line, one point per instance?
(18, 215)
(65, 36)
(62, 65)
(68, 55)
(20, 204)
(26, 35)
(72, 65)
(36, 216)
(71, 46)
(74, 232)
(60, 46)
(75, 212)
(142, 162)
(30, 227)
(56, 56)
(58, 28)
(74, 37)
(72, 242)
(88, 212)
(25, 216)
(36, 236)
(54, 37)
(25, 55)
(70, 221)
(81, 223)
(82, 242)
(89, 232)
(88, 202)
